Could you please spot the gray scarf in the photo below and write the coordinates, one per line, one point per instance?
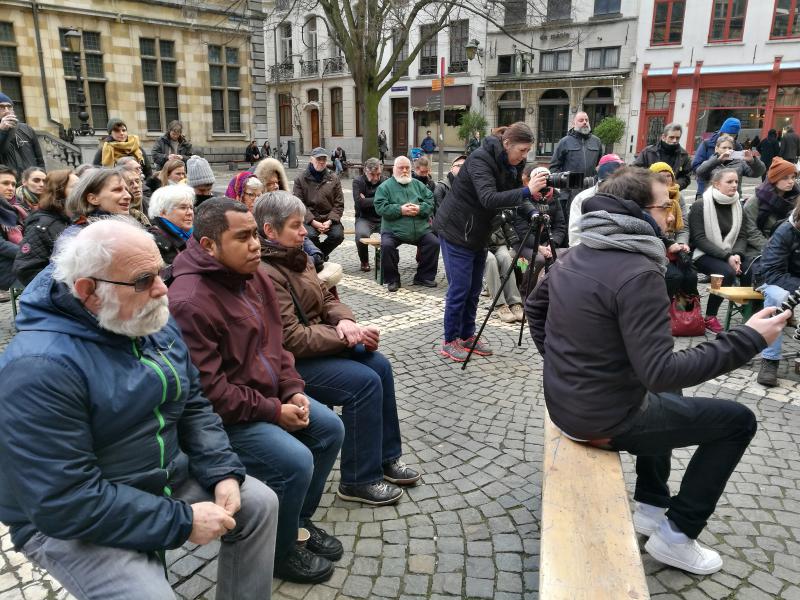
(610, 231)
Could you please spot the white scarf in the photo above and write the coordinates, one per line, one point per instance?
(711, 222)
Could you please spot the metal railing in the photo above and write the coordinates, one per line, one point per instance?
(281, 72)
(59, 150)
(337, 64)
(309, 68)
(458, 66)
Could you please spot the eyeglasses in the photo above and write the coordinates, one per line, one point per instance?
(141, 284)
(661, 206)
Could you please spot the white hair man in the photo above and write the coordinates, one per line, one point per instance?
(135, 460)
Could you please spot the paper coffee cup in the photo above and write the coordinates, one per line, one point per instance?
(302, 536)
(716, 281)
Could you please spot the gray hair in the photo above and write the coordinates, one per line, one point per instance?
(90, 252)
(253, 182)
(81, 170)
(672, 127)
(372, 164)
(717, 175)
(166, 198)
(92, 182)
(276, 207)
(123, 162)
(402, 158)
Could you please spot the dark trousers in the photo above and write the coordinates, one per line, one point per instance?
(428, 257)
(716, 266)
(721, 430)
(464, 269)
(681, 280)
(333, 238)
(364, 229)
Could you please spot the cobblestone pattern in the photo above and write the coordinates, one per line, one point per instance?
(471, 529)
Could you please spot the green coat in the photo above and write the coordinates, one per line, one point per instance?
(390, 196)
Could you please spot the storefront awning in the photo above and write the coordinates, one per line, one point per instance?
(456, 97)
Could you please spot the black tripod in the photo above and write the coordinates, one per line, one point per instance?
(540, 229)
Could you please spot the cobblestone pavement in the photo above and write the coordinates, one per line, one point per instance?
(471, 529)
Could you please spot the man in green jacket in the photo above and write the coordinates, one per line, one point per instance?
(405, 206)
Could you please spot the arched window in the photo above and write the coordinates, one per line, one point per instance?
(553, 121)
(509, 108)
(599, 104)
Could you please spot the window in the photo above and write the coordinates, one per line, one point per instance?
(286, 43)
(786, 20)
(606, 7)
(10, 77)
(428, 54)
(509, 108)
(459, 36)
(602, 58)
(311, 39)
(667, 22)
(558, 10)
(224, 72)
(716, 105)
(285, 114)
(337, 112)
(159, 76)
(555, 61)
(657, 100)
(401, 56)
(599, 104)
(514, 13)
(506, 64)
(727, 20)
(93, 78)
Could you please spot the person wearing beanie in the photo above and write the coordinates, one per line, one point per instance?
(772, 203)
(321, 192)
(607, 165)
(749, 165)
(200, 177)
(19, 146)
(769, 148)
(599, 322)
(173, 145)
(668, 150)
(730, 127)
(119, 144)
(790, 145)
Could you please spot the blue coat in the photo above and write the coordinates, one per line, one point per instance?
(97, 429)
(780, 260)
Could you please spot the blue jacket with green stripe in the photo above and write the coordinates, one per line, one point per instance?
(96, 429)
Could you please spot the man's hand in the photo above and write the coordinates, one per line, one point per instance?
(409, 210)
(226, 495)
(545, 251)
(769, 324)
(327, 226)
(349, 331)
(293, 417)
(209, 522)
(8, 122)
(538, 182)
(317, 225)
(371, 337)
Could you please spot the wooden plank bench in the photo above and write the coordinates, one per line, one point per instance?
(589, 549)
(375, 243)
(741, 300)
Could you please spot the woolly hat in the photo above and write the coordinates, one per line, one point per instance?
(607, 165)
(198, 172)
(660, 167)
(269, 167)
(779, 169)
(114, 122)
(236, 185)
(5, 99)
(732, 125)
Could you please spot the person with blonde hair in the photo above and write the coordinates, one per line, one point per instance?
(173, 171)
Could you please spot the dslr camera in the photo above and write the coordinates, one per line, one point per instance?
(570, 181)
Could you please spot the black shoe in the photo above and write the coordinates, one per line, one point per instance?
(303, 566)
(378, 493)
(398, 473)
(393, 286)
(768, 373)
(429, 283)
(322, 543)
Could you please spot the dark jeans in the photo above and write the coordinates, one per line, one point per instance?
(427, 257)
(363, 385)
(721, 430)
(295, 465)
(333, 238)
(364, 229)
(681, 279)
(464, 269)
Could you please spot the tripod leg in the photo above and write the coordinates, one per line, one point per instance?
(545, 229)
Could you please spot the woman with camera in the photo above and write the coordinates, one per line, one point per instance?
(489, 180)
(745, 162)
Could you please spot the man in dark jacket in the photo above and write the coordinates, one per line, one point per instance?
(19, 146)
(577, 152)
(321, 192)
(11, 230)
(428, 145)
(790, 145)
(230, 318)
(171, 146)
(600, 320)
(367, 220)
(769, 148)
(422, 172)
(109, 452)
(670, 151)
(705, 150)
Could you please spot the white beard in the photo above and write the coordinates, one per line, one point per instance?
(403, 179)
(585, 130)
(152, 317)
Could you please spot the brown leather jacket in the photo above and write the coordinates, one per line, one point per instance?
(324, 200)
(322, 311)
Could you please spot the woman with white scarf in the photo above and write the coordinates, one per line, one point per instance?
(717, 236)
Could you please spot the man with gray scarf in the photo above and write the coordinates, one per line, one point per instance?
(611, 377)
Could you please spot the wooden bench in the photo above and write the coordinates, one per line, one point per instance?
(375, 243)
(589, 549)
(741, 300)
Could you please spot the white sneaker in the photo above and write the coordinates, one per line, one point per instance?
(645, 523)
(688, 556)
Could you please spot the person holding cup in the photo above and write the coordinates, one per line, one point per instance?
(19, 146)
(717, 236)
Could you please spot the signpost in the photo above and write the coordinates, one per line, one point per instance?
(442, 83)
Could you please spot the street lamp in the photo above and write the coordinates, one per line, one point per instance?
(473, 49)
(72, 39)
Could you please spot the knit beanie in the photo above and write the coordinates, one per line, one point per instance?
(198, 171)
(5, 99)
(732, 125)
(114, 122)
(660, 167)
(607, 165)
(779, 169)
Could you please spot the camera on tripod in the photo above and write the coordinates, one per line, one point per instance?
(570, 181)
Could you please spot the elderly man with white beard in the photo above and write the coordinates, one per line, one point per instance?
(109, 452)
(406, 207)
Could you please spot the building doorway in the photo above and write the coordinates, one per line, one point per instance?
(314, 116)
(509, 109)
(553, 121)
(399, 126)
(599, 104)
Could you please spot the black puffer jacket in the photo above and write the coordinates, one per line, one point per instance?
(163, 148)
(365, 207)
(678, 159)
(169, 244)
(577, 153)
(19, 148)
(42, 228)
(485, 184)
(558, 225)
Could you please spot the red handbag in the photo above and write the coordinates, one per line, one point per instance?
(687, 321)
